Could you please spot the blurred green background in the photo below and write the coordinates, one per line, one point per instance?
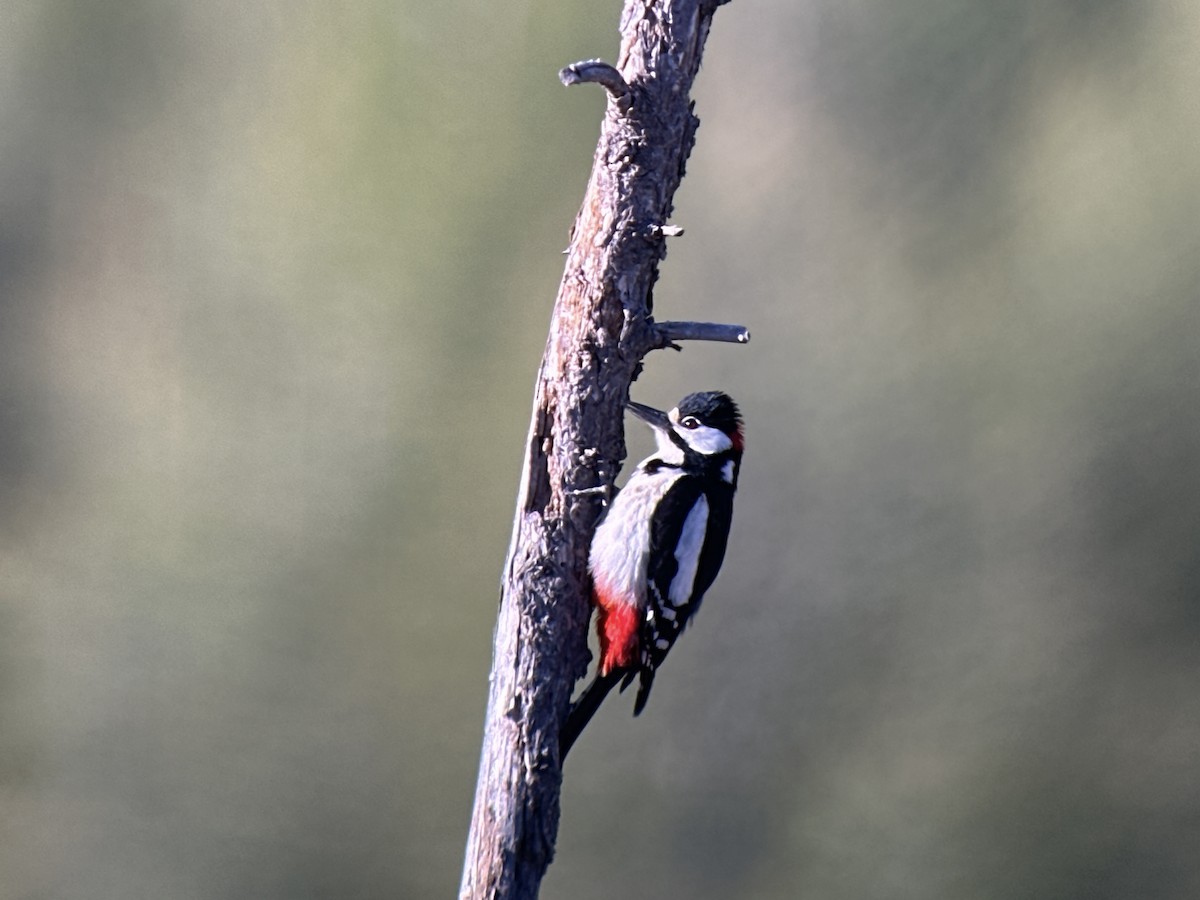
(274, 283)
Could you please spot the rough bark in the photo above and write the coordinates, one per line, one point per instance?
(601, 329)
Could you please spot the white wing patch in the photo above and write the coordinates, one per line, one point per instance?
(687, 552)
(727, 472)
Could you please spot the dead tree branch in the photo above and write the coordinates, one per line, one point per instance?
(601, 329)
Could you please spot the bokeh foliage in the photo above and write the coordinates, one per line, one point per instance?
(274, 280)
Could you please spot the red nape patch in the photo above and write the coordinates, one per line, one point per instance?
(617, 627)
(739, 440)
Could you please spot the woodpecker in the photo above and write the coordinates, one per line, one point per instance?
(660, 545)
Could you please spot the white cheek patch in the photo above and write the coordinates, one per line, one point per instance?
(705, 440)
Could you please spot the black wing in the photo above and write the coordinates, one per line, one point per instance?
(665, 620)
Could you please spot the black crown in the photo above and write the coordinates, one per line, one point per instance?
(713, 408)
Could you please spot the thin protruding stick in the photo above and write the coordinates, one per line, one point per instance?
(702, 331)
(597, 71)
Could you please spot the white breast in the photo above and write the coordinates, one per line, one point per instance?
(621, 547)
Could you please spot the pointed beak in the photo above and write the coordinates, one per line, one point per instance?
(656, 419)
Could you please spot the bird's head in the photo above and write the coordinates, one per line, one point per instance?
(705, 424)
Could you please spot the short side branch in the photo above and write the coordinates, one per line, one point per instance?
(670, 332)
(597, 71)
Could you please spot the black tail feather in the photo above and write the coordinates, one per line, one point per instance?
(645, 682)
(583, 709)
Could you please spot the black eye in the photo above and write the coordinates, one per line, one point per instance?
(689, 422)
